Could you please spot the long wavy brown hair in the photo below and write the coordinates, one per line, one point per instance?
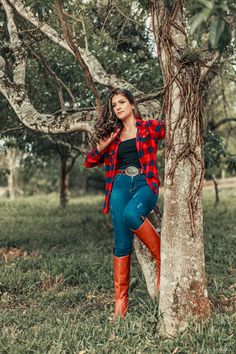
(108, 123)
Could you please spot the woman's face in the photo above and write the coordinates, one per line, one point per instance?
(122, 108)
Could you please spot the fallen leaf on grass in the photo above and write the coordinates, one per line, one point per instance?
(225, 304)
(49, 282)
(112, 337)
(15, 252)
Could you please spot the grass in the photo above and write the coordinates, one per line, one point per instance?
(56, 283)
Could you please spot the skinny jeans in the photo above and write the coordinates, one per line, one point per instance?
(131, 199)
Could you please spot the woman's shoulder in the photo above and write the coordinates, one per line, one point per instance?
(156, 121)
(150, 123)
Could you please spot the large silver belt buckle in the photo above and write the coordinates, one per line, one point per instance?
(131, 171)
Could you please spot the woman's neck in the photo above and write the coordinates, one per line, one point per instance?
(129, 125)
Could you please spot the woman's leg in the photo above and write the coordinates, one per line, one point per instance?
(141, 204)
(120, 197)
(123, 238)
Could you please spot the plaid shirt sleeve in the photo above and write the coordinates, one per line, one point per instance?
(158, 128)
(94, 158)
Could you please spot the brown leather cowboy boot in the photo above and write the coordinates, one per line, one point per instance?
(149, 236)
(121, 284)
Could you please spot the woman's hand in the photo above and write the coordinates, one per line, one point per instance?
(103, 143)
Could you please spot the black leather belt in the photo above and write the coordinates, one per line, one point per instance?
(130, 171)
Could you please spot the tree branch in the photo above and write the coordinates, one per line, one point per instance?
(16, 94)
(97, 71)
(16, 46)
(39, 57)
(76, 51)
(215, 125)
(73, 159)
(15, 91)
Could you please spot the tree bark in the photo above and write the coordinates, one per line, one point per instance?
(217, 198)
(183, 294)
(64, 181)
(10, 156)
(11, 162)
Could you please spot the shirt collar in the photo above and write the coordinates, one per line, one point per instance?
(138, 123)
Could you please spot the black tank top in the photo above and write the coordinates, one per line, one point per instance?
(127, 154)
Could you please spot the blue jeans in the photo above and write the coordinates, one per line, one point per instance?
(131, 199)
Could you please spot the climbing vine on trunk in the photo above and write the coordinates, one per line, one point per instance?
(183, 285)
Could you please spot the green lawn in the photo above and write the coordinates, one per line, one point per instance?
(56, 283)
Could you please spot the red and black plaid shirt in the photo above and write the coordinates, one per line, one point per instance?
(148, 134)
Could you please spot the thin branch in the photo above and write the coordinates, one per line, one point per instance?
(69, 145)
(40, 58)
(74, 48)
(10, 130)
(96, 69)
(120, 33)
(131, 18)
(152, 95)
(215, 125)
(84, 32)
(69, 168)
(222, 86)
(107, 14)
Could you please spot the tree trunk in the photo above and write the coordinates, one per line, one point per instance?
(217, 198)
(183, 294)
(11, 162)
(64, 182)
(82, 183)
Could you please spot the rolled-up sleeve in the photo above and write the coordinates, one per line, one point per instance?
(94, 158)
(158, 127)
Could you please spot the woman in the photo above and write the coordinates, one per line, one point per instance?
(127, 146)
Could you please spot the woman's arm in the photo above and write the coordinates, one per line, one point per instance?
(158, 128)
(94, 158)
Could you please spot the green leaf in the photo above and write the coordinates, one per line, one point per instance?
(231, 163)
(198, 19)
(223, 6)
(207, 3)
(217, 26)
(225, 38)
(232, 11)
